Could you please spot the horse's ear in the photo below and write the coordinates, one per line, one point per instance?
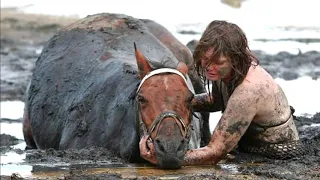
(143, 65)
(183, 68)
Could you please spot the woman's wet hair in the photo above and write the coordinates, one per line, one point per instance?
(229, 40)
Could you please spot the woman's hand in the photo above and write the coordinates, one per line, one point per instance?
(200, 156)
(147, 150)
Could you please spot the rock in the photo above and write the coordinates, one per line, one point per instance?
(289, 75)
(306, 131)
(301, 40)
(192, 45)
(11, 120)
(301, 121)
(233, 3)
(8, 140)
(188, 32)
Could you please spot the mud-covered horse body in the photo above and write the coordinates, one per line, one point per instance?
(82, 89)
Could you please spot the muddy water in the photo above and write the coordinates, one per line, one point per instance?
(52, 164)
(128, 170)
(97, 163)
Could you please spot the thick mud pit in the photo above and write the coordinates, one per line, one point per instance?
(98, 163)
(21, 41)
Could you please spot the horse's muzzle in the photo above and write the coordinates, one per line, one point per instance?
(170, 153)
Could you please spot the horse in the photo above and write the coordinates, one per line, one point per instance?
(108, 79)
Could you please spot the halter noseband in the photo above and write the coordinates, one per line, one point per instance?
(160, 117)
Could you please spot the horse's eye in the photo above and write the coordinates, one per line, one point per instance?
(141, 99)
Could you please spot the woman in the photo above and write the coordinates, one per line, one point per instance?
(256, 114)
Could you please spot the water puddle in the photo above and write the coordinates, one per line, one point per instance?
(9, 169)
(14, 163)
(125, 170)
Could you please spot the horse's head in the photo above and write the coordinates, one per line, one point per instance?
(164, 103)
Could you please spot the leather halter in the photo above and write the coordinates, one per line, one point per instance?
(160, 117)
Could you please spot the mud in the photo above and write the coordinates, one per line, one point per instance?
(98, 163)
(73, 156)
(8, 140)
(22, 39)
(17, 61)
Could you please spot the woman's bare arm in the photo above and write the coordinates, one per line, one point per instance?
(203, 102)
(241, 109)
(206, 102)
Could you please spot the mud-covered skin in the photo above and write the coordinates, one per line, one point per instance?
(70, 103)
(259, 100)
(205, 103)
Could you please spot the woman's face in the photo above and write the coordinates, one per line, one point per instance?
(219, 68)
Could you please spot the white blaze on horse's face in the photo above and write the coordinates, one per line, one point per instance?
(164, 102)
(166, 83)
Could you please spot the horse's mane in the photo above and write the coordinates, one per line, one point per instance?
(133, 94)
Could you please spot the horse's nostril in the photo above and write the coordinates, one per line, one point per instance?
(160, 145)
(182, 146)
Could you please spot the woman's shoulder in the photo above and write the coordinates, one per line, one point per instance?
(258, 83)
(258, 77)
